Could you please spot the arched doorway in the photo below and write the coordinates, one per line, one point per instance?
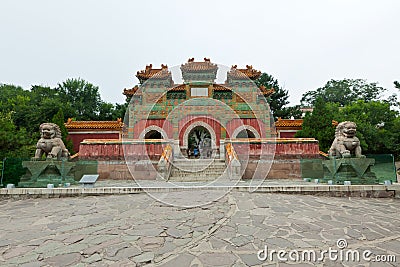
(199, 143)
(153, 134)
(245, 133)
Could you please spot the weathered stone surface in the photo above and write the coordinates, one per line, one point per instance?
(217, 259)
(250, 259)
(92, 259)
(311, 222)
(180, 260)
(63, 260)
(146, 257)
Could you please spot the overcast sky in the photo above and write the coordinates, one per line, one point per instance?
(301, 43)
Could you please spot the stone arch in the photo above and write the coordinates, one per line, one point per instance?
(245, 127)
(196, 124)
(153, 128)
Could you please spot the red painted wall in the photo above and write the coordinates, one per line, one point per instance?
(235, 123)
(104, 150)
(78, 138)
(287, 134)
(143, 124)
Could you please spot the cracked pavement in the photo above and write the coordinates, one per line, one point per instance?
(137, 230)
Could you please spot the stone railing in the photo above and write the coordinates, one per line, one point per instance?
(127, 150)
(233, 165)
(278, 148)
(165, 162)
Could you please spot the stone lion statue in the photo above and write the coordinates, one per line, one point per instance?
(50, 143)
(346, 144)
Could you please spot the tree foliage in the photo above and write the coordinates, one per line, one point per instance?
(14, 142)
(358, 101)
(397, 84)
(279, 99)
(375, 125)
(344, 92)
(22, 111)
(318, 124)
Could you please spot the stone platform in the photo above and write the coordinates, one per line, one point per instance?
(113, 187)
(137, 230)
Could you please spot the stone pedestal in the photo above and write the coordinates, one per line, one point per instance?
(356, 170)
(41, 173)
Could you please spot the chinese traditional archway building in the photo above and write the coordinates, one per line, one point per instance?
(197, 110)
(151, 113)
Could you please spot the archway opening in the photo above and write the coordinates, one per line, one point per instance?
(245, 133)
(199, 143)
(153, 134)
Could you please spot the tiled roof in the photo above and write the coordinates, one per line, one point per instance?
(266, 92)
(221, 87)
(191, 65)
(134, 90)
(178, 87)
(118, 124)
(149, 72)
(248, 72)
(289, 123)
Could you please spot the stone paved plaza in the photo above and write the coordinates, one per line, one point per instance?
(137, 230)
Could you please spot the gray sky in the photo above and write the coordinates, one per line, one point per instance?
(301, 43)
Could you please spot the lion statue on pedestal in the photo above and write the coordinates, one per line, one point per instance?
(50, 143)
(346, 144)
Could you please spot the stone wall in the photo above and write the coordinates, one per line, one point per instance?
(284, 163)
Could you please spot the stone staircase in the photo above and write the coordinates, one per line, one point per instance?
(193, 170)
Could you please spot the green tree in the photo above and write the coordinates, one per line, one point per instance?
(376, 125)
(82, 97)
(279, 99)
(14, 142)
(397, 84)
(344, 92)
(318, 124)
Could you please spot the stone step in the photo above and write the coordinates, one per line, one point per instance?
(185, 170)
(192, 178)
(194, 170)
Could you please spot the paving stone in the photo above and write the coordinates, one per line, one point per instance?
(123, 263)
(63, 260)
(246, 229)
(241, 240)
(146, 257)
(32, 264)
(73, 239)
(98, 248)
(26, 258)
(217, 259)
(117, 235)
(217, 243)
(126, 253)
(250, 259)
(180, 260)
(15, 252)
(111, 251)
(178, 233)
(5, 242)
(92, 259)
